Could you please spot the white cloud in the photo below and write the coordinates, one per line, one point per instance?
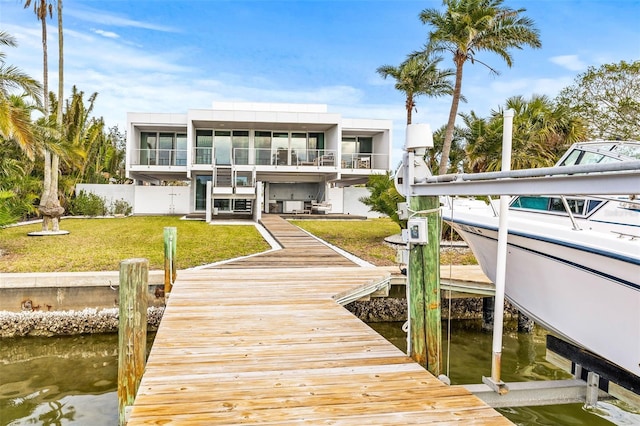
(104, 18)
(108, 34)
(570, 62)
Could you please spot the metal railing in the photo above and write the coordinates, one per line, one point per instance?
(160, 157)
(285, 157)
(261, 157)
(364, 161)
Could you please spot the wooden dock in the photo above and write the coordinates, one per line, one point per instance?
(271, 345)
(299, 249)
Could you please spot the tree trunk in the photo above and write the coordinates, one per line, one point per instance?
(448, 136)
(409, 106)
(60, 66)
(49, 207)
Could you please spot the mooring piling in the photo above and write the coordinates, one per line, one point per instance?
(132, 332)
(170, 244)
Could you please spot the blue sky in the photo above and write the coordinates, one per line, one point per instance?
(169, 56)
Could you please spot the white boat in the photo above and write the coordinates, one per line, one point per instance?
(573, 262)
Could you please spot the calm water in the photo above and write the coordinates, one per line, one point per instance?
(73, 380)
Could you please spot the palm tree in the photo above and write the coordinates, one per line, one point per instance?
(468, 27)
(15, 110)
(541, 130)
(384, 197)
(419, 75)
(49, 203)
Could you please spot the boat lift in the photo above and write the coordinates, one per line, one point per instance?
(414, 179)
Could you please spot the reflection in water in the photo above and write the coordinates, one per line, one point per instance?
(59, 380)
(73, 380)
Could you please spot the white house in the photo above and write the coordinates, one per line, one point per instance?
(248, 158)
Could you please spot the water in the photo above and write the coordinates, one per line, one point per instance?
(73, 380)
(523, 359)
(59, 380)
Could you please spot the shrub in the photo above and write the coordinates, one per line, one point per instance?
(121, 207)
(88, 204)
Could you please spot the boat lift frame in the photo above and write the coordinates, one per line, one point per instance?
(587, 179)
(591, 179)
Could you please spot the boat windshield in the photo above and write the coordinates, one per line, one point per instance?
(600, 153)
(581, 153)
(580, 207)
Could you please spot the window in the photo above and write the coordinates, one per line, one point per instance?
(240, 144)
(298, 147)
(262, 143)
(222, 204)
(148, 148)
(315, 146)
(181, 149)
(352, 149)
(204, 146)
(280, 148)
(222, 147)
(578, 206)
(531, 203)
(201, 191)
(165, 149)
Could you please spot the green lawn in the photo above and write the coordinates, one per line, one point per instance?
(100, 244)
(365, 239)
(361, 238)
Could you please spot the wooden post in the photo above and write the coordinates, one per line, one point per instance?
(132, 331)
(424, 290)
(170, 244)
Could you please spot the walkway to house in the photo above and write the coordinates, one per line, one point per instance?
(256, 344)
(299, 249)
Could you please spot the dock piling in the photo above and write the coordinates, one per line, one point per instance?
(424, 290)
(132, 332)
(170, 244)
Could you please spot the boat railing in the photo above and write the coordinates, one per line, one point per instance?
(575, 225)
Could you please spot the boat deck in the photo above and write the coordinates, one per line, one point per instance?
(270, 345)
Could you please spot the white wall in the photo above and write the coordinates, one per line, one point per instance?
(110, 193)
(143, 199)
(351, 202)
(334, 197)
(161, 200)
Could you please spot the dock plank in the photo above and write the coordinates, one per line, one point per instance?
(247, 344)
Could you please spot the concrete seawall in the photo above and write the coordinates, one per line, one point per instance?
(48, 304)
(64, 291)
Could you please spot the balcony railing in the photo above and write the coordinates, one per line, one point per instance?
(262, 157)
(364, 161)
(160, 157)
(285, 157)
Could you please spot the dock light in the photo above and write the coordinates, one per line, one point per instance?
(414, 169)
(418, 138)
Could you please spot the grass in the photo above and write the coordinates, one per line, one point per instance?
(365, 240)
(100, 244)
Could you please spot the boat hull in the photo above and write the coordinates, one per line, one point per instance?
(586, 295)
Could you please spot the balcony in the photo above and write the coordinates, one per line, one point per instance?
(262, 157)
(159, 157)
(364, 161)
(284, 157)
